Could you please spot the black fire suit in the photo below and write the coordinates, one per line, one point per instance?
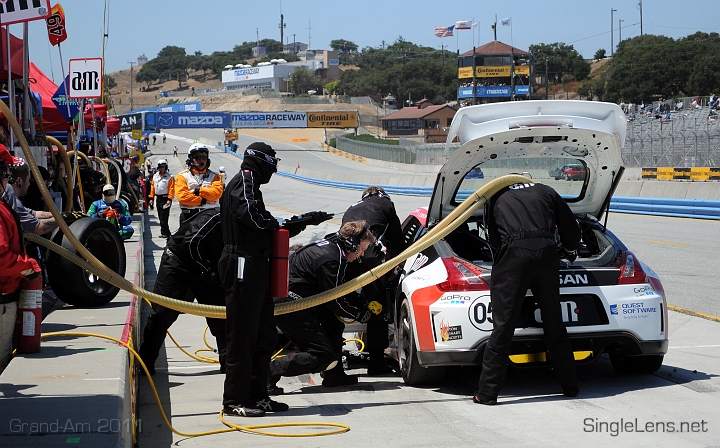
(251, 333)
(522, 220)
(378, 211)
(315, 268)
(188, 269)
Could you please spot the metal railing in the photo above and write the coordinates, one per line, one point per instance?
(429, 154)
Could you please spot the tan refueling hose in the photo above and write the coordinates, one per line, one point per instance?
(93, 265)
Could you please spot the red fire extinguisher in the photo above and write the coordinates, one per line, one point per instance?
(29, 316)
(279, 268)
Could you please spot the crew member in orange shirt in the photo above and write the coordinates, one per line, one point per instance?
(197, 188)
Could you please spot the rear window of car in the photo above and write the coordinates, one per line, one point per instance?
(541, 170)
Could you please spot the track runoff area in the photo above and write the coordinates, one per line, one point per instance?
(676, 405)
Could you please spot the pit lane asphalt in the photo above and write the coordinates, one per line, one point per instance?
(385, 411)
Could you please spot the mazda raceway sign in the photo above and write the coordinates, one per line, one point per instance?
(240, 120)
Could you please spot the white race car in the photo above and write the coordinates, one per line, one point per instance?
(611, 302)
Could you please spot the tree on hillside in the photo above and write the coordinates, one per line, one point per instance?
(600, 54)
(562, 59)
(343, 45)
(109, 82)
(147, 75)
(302, 80)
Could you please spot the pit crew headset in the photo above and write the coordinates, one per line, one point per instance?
(195, 147)
(351, 243)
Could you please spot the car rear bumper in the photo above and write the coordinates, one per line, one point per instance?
(624, 343)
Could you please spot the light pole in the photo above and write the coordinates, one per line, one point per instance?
(620, 21)
(131, 86)
(640, 8)
(611, 31)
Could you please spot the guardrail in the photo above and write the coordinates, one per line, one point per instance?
(679, 208)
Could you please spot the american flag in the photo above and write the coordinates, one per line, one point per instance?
(444, 31)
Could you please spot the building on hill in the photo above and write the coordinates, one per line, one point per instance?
(276, 76)
(425, 120)
(142, 60)
(294, 48)
(501, 73)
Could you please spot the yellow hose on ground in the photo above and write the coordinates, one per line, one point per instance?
(443, 228)
(68, 169)
(254, 429)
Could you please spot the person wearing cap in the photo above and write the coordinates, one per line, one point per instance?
(36, 222)
(197, 187)
(114, 210)
(162, 187)
(244, 269)
(15, 264)
(315, 268)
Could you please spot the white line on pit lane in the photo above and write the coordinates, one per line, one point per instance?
(696, 346)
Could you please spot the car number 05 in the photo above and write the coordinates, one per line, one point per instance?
(480, 313)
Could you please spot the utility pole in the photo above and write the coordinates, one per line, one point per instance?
(131, 85)
(294, 45)
(282, 25)
(640, 8)
(620, 21)
(612, 32)
(442, 48)
(309, 35)
(257, 42)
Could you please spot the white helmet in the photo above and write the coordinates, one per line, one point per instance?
(162, 162)
(197, 147)
(221, 169)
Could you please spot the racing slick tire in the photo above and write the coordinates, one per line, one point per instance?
(636, 364)
(129, 200)
(76, 286)
(412, 372)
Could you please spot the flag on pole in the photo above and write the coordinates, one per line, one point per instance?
(444, 31)
(475, 24)
(463, 24)
(505, 22)
(56, 25)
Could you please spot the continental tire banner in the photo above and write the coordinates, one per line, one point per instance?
(342, 119)
(492, 71)
(269, 119)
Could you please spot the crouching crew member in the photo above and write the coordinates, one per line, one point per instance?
(162, 187)
(114, 210)
(522, 220)
(187, 271)
(317, 332)
(378, 211)
(245, 272)
(197, 187)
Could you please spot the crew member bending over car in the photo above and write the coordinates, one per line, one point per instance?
(378, 211)
(522, 220)
(188, 265)
(114, 210)
(315, 268)
(197, 187)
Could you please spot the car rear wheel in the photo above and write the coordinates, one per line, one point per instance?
(636, 364)
(412, 372)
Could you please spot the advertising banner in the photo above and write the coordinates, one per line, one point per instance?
(129, 122)
(269, 119)
(340, 119)
(492, 71)
(16, 11)
(244, 74)
(492, 91)
(62, 101)
(183, 120)
(85, 78)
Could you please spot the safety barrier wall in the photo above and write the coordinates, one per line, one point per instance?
(414, 154)
(687, 208)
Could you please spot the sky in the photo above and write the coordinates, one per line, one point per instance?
(138, 27)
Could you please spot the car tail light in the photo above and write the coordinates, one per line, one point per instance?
(630, 269)
(462, 276)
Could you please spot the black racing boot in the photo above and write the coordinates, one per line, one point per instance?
(337, 377)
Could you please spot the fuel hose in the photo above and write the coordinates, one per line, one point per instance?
(93, 265)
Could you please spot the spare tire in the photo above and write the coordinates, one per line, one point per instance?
(76, 286)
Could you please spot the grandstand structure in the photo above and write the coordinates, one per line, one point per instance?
(688, 139)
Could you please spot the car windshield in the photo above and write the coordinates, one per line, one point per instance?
(566, 175)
